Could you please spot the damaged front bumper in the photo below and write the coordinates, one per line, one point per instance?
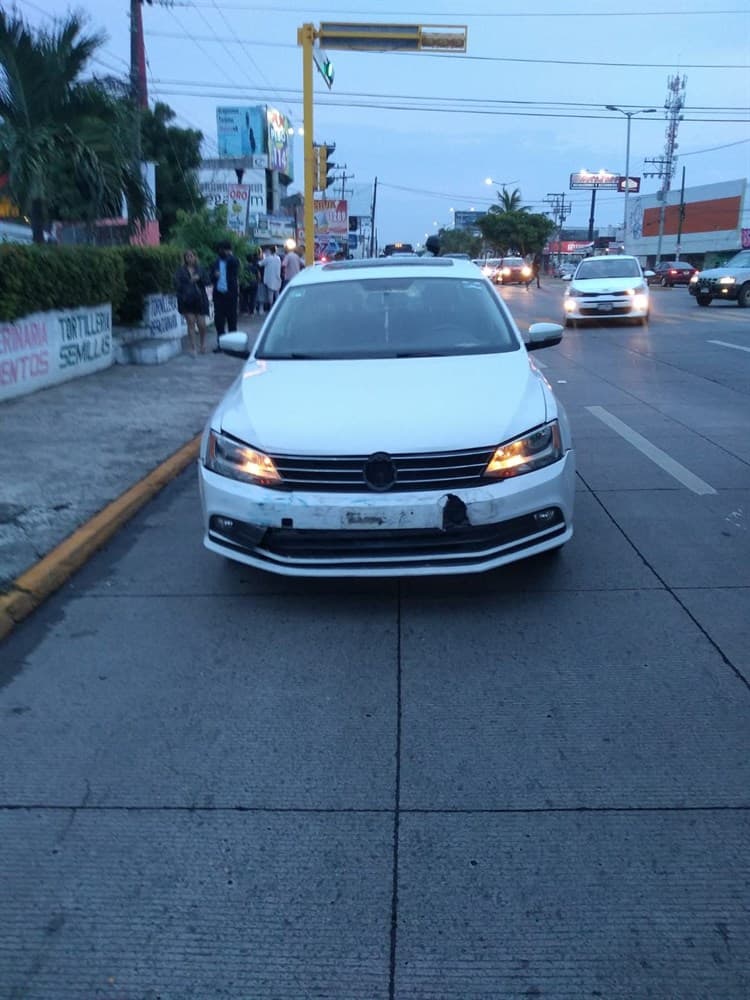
(395, 534)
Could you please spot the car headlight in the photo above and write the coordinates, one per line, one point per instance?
(573, 292)
(506, 271)
(694, 278)
(526, 272)
(227, 457)
(727, 280)
(526, 454)
(640, 301)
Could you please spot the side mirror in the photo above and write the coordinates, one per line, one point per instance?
(649, 274)
(543, 335)
(567, 276)
(237, 344)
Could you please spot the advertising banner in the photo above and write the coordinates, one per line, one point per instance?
(243, 201)
(602, 180)
(331, 226)
(241, 131)
(45, 348)
(279, 142)
(272, 229)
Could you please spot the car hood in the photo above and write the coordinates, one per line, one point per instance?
(394, 405)
(585, 285)
(720, 272)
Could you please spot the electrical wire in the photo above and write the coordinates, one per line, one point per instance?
(442, 109)
(465, 13)
(234, 40)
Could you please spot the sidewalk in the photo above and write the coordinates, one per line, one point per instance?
(71, 449)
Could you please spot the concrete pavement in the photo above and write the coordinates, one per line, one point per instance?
(79, 459)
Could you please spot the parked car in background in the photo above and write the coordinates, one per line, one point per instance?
(514, 271)
(731, 281)
(388, 422)
(672, 272)
(611, 287)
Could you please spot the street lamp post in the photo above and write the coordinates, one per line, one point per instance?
(629, 115)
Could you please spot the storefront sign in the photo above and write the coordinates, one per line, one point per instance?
(46, 348)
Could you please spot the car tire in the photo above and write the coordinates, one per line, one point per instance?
(571, 324)
(703, 299)
(663, 283)
(743, 296)
(644, 320)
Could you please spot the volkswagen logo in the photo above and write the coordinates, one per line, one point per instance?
(380, 472)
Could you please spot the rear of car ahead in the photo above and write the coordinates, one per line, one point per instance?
(606, 288)
(388, 423)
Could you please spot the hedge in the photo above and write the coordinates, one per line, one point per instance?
(40, 278)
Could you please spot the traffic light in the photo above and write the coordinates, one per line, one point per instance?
(316, 168)
(327, 72)
(325, 166)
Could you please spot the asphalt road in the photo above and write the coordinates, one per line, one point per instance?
(532, 783)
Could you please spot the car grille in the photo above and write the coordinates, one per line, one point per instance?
(346, 474)
(464, 542)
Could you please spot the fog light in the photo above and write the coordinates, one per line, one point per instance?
(545, 516)
(223, 523)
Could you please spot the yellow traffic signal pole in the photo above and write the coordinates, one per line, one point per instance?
(306, 38)
(358, 38)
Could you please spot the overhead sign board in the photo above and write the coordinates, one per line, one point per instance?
(392, 37)
(587, 180)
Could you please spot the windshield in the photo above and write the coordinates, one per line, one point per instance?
(613, 267)
(741, 259)
(388, 317)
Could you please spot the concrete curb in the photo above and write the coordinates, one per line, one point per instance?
(34, 586)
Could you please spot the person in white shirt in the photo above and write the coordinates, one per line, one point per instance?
(271, 266)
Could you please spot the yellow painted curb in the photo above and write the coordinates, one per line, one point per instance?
(36, 584)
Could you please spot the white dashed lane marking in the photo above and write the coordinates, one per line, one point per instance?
(723, 343)
(659, 457)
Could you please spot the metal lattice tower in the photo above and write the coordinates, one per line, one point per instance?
(664, 166)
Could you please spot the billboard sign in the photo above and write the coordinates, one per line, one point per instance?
(711, 220)
(601, 180)
(331, 227)
(220, 187)
(279, 142)
(630, 184)
(241, 131)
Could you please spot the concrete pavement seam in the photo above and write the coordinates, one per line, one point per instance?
(34, 586)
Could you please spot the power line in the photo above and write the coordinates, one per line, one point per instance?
(295, 91)
(438, 109)
(464, 13)
(234, 40)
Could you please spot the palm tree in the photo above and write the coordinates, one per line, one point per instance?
(510, 201)
(66, 143)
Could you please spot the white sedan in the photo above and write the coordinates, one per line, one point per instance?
(388, 422)
(607, 287)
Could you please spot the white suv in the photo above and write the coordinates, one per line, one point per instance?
(731, 281)
(609, 287)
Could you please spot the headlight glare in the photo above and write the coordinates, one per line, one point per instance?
(728, 279)
(227, 457)
(526, 454)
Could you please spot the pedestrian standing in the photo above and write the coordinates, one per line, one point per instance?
(536, 267)
(225, 279)
(291, 266)
(271, 266)
(192, 300)
(251, 275)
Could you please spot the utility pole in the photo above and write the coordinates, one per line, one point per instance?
(138, 84)
(372, 217)
(681, 218)
(560, 210)
(664, 166)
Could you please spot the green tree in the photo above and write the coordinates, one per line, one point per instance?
(66, 143)
(517, 231)
(203, 230)
(177, 154)
(460, 241)
(509, 201)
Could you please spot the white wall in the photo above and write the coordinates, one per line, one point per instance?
(46, 348)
